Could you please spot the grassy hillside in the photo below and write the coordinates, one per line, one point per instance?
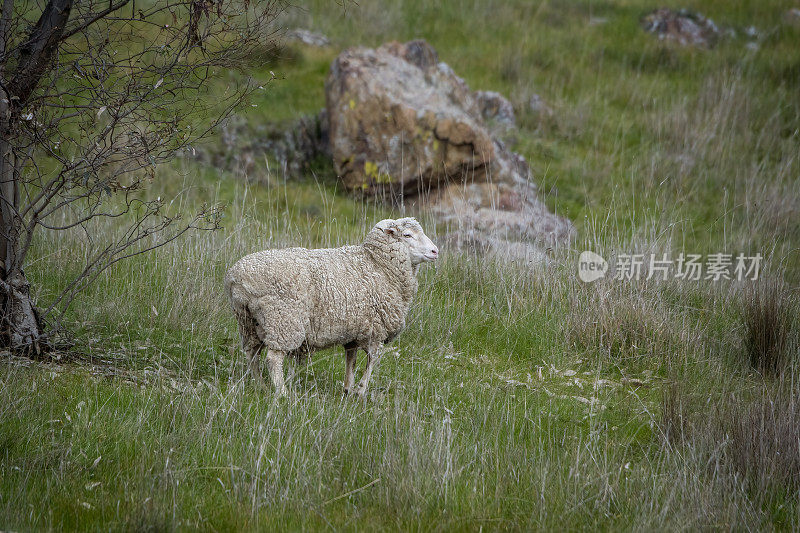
(518, 397)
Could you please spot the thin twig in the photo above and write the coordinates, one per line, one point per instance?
(354, 491)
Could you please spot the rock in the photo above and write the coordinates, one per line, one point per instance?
(294, 145)
(792, 16)
(403, 125)
(495, 108)
(752, 32)
(539, 108)
(400, 120)
(484, 244)
(307, 37)
(682, 27)
(536, 104)
(297, 144)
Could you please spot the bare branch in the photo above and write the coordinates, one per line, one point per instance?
(113, 253)
(88, 21)
(37, 52)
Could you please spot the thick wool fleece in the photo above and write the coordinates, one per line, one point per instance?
(297, 300)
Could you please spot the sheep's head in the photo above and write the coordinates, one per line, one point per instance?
(408, 232)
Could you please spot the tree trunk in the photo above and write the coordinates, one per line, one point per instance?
(20, 326)
(22, 331)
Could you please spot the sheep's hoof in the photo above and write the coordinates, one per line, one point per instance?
(355, 393)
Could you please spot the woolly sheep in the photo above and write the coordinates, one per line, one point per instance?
(293, 301)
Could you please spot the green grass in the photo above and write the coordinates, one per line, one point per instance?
(517, 397)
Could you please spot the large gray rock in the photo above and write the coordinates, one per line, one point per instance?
(400, 118)
(404, 125)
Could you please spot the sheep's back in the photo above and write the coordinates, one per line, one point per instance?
(270, 272)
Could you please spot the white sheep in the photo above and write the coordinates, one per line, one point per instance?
(295, 300)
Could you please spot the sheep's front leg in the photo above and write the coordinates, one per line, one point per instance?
(349, 367)
(373, 358)
(275, 366)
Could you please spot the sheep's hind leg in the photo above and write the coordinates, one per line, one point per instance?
(255, 369)
(275, 366)
(252, 347)
(373, 358)
(350, 364)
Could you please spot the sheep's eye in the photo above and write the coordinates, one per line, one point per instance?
(406, 235)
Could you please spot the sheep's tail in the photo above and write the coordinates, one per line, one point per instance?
(244, 318)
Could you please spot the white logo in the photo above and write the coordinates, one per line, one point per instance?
(591, 267)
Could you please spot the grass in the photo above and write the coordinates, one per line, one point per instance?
(518, 397)
(768, 321)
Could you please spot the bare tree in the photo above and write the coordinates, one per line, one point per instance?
(93, 96)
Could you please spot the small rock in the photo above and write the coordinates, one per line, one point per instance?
(685, 162)
(792, 16)
(538, 106)
(604, 383)
(634, 382)
(682, 27)
(496, 108)
(307, 37)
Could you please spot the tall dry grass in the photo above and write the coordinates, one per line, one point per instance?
(769, 314)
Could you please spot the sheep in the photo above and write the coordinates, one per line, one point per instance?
(293, 301)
